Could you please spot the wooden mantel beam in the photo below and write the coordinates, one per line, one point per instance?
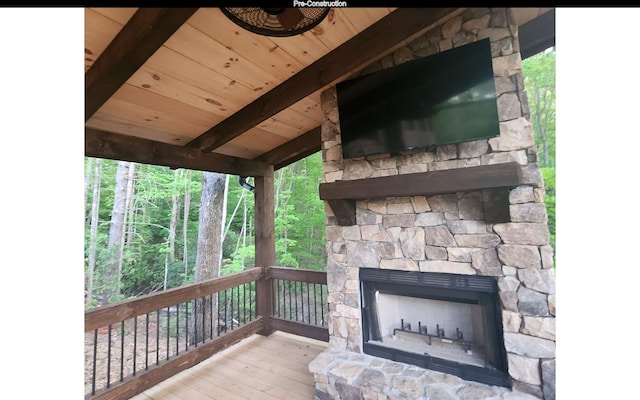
(402, 24)
(145, 32)
(120, 147)
(342, 195)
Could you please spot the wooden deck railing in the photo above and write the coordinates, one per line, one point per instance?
(300, 302)
(136, 344)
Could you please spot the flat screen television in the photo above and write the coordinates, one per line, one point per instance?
(445, 98)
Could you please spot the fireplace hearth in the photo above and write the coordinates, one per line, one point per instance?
(444, 322)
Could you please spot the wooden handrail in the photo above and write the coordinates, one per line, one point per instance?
(298, 275)
(110, 314)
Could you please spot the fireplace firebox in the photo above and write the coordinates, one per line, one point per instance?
(443, 322)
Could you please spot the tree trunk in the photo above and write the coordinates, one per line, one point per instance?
(170, 257)
(185, 224)
(88, 169)
(209, 250)
(173, 222)
(116, 230)
(127, 206)
(93, 236)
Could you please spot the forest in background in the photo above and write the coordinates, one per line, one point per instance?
(160, 226)
(142, 221)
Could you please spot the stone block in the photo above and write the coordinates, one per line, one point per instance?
(536, 234)
(524, 369)
(520, 256)
(540, 280)
(486, 262)
(529, 346)
(532, 303)
(549, 379)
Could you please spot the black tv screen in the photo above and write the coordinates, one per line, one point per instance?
(444, 98)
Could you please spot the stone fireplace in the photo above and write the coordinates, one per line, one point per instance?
(442, 295)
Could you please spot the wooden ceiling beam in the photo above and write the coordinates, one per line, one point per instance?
(369, 44)
(294, 150)
(145, 33)
(113, 146)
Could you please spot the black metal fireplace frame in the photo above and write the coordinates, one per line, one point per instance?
(472, 289)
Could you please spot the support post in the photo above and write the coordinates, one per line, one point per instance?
(265, 246)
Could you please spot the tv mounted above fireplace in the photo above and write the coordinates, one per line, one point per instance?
(445, 98)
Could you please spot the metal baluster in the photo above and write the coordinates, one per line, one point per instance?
(211, 316)
(109, 358)
(186, 325)
(158, 337)
(204, 313)
(289, 290)
(218, 313)
(322, 304)
(122, 351)
(195, 322)
(135, 343)
(308, 304)
(177, 329)
(278, 297)
(95, 356)
(146, 347)
(315, 303)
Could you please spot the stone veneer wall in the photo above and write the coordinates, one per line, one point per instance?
(445, 233)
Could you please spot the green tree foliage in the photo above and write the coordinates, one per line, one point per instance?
(540, 83)
(299, 225)
(549, 177)
(300, 218)
(146, 231)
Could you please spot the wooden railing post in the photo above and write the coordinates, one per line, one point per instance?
(265, 246)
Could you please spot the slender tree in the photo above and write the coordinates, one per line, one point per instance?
(88, 169)
(185, 224)
(116, 231)
(173, 224)
(127, 205)
(93, 236)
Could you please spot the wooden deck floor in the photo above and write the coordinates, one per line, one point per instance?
(269, 368)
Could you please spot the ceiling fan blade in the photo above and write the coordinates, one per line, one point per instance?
(290, 18)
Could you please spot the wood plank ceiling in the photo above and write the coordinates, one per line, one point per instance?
(186, 87)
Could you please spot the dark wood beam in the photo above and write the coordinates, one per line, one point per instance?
(538, 34)
(298, 275)
(120, 147)
(294, 150)
(362, 48)
(341, 195)
(344, 210)
(145, 32)
(300, 329)
(265, 245)
(495, 204)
